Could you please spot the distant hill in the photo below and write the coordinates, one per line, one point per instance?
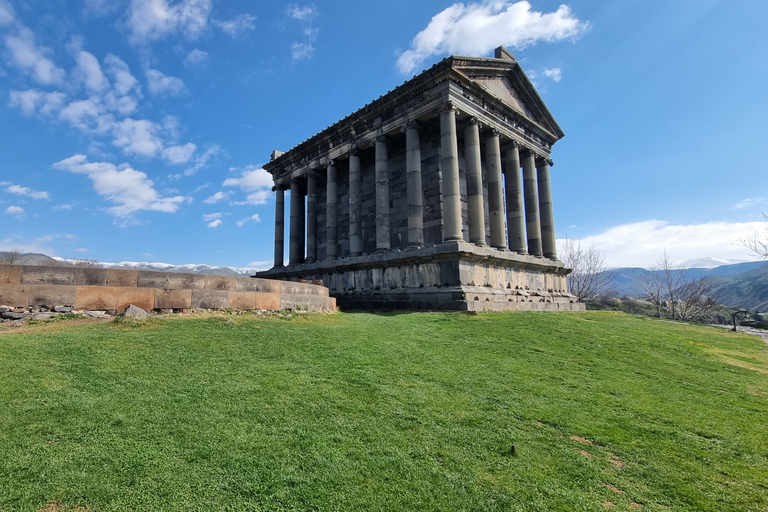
(42, 259)
(743, 290)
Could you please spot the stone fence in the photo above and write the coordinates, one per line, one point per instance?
(115, 289)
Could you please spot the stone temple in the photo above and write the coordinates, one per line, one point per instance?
(435, 196)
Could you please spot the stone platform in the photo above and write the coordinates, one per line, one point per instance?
(451, 276)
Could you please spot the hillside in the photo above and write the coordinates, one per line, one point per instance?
(744, 290)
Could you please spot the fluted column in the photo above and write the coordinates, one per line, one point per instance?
(533, 227)
(548, 243)
(296, 240)
(415, 193)
(331, 213)
(475, 206)
(311, 216)
(382, 195)
(495, 190)
(355, 218)
(449, 163)
(514, 193)
(279, 225)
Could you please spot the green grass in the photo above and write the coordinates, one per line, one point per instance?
(384, 412)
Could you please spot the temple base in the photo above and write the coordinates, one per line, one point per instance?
(452, 276)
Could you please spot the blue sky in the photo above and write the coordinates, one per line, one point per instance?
(136, 129)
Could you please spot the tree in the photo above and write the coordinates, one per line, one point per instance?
(590, 278)
(12, 257)
(675, 290)
(757, 243)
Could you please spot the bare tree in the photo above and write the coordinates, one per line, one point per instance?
(12, 257)
(87, 263)
(590, 278)
(675, 290)
(757, 243)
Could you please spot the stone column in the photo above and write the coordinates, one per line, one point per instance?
(279, 225)
(296, 251)
(475, 206)
(548, 243)
(495, 191)
(415, 193)
(531, 204)
(331, 213)
(514, 191)
(382, 195)
(355, 217)
(449, 163)
(311, 216)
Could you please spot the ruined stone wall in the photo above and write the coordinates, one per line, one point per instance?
(115, 289)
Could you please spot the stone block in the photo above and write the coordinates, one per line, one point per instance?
(170, 280)
(89, 276)
(64, 276)
(16, 295)
(172, 299)
(213, 282)
(51, 295)
(96, 297)
(122, 277)
(269, 301)
(10, 274)
(143, 298)
(210, 299)
(243, 301)
(248, 284)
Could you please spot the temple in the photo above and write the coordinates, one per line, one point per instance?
(435, 196)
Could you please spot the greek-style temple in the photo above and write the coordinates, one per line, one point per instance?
(435, 196)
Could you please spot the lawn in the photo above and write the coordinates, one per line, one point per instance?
(361, 411)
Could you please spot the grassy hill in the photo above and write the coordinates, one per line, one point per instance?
(384, 412)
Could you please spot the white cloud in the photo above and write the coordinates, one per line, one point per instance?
(750, 201)
(37, 245)
(87, 115)
(641, 244)
(123, 81)
(130, 190)
(554, 73)
(179, 154)
(88, 71)
(477, 28)
(208, 217)
(267, 264)
(27, 56)
(18, 211)
(32, 101)
(301, 51)
(305, 14)
(27, 192)
(151, 20)
(238, 25)
(196, 57)
(65, 206)
(6, 13)
(256, 182)
(216, 223)
(218, 196)
(138, 137)
(255, 217)
(159, 83)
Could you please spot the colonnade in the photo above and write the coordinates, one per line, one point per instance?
(520, 215)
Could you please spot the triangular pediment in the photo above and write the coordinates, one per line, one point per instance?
(505, 81)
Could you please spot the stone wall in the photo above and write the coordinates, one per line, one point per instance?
(115, 289)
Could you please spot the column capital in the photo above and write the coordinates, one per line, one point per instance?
(543, 160)
(475, 121)
(529, 152)
(311, 174)
(411, 125)
(331, 163)
(382, 138)
(448, 106)
(354, 151)
(281, 188)
(493, 132)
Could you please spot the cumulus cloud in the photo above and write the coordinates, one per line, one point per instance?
(27, 192)
(160, 83)
(216, 223)
(196, 57)
(6, 13)
(477, 28)
(138, 137)
(88, 71)
(18, 211)
(179, 154)
(128, 189)
(554, 73)
(32, 59)
(641, 244)
(305, 16)
(237, 26)
(152, 20)
(218, 196)
(255, 182)
(255, 217)
(33, 101)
